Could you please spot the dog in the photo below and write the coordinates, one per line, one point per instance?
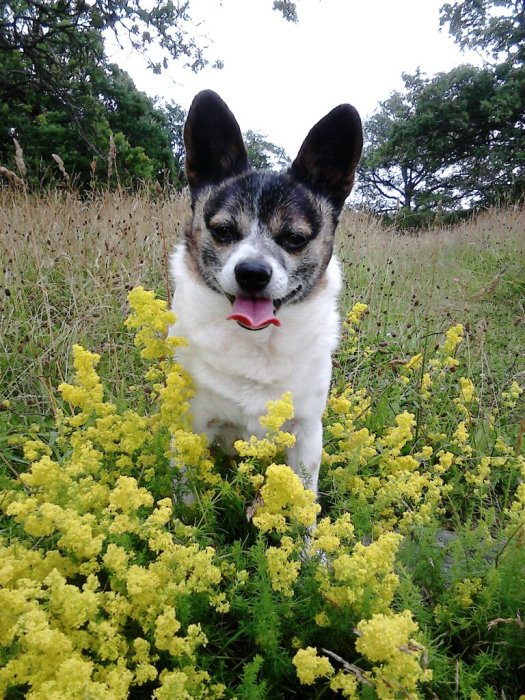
(256, 281)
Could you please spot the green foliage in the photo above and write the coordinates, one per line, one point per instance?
(60, 94)
(454, 141)
(263, 154)
(450, 142)
(491, 25)
(107, 103)
(42, 31)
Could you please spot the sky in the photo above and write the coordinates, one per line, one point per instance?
(280, 78)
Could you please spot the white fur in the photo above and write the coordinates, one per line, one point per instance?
(237, 371)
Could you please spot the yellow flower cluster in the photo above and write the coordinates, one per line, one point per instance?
(511, 397)
(399, 489)
(151, 319)
(276, 440)
(282, 568)
(106, 593)
(310, 666)
(362, 577)
(97, 554)
(453, 337)
(284, 501)
(403, 486)
(464, 591)
(350, 326)
(386, 640)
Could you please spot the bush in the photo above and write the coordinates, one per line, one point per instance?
(138, 561)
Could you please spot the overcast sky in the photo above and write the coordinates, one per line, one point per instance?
(279, 78)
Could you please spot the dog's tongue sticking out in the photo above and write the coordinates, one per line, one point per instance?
(253, 313)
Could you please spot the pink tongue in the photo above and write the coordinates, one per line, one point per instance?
(253, 313)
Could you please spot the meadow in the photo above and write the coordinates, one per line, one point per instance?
(412, 584)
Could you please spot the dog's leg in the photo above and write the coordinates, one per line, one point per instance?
(305, 456)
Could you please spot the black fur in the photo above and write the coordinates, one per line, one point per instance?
(214, 146)
(325, 164)
(327, 160)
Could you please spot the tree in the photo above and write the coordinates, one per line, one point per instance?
(109, 105)
(58, 91)
(56, 34)
(263, 154)
(494, 26)
(497, 28)
(453, 141)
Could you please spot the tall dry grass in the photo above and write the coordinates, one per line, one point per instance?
(417, 285)
(66, 267)
(67, 264)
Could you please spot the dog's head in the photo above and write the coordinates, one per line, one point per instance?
(264, 239)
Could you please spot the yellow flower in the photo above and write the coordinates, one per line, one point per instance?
(356, 313)
(396, 438)
(453, 337)
(465, 590)
(87, 392)
(310, 666)
(386, 640)
(284, 497)
(283, 571)
(467, 390)
(128, 497)
(328, 536)
(152, 320)
(278, 413)
(345, 683)
(426, 383)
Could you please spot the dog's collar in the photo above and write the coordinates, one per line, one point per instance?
(279, 302)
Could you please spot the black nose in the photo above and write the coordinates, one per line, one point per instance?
(252, 276)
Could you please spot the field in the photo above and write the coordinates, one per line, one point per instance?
(412, 584)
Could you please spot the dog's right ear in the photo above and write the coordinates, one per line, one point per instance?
(214, 146)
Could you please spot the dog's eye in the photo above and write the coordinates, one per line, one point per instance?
(292, 242)
(224, 233)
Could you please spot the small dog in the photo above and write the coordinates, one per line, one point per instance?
(256, 283)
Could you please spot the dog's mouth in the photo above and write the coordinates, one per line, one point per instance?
(256, 313)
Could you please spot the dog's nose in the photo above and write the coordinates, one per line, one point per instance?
(252, 276)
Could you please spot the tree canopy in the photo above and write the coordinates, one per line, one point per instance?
(456, 140)
(60, 94)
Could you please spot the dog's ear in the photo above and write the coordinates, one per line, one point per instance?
(213, 140)
(328, 158)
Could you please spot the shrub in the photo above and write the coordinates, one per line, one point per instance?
(138, 560)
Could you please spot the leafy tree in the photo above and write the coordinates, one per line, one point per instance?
(450, 142)
(456, 140)
(59, 93)
(55, 34)
(110, 104)
(176, 117)
(495, 26)
(263, 154)
(144, 123)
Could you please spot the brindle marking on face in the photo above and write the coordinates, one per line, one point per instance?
(264, 207)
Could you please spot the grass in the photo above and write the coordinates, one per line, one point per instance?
(67, 266)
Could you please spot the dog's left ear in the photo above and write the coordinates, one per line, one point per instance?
(328, 158)
(213, 141)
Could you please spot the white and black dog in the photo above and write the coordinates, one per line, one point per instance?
(257, 256)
